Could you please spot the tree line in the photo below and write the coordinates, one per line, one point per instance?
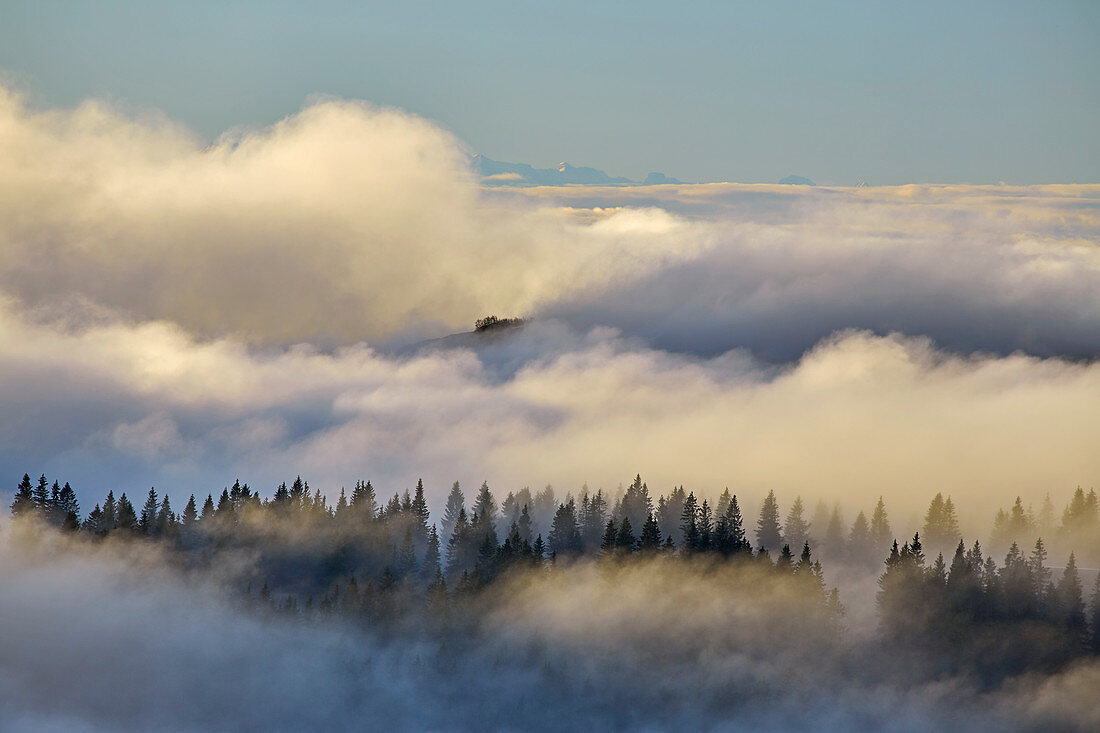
(377, 561)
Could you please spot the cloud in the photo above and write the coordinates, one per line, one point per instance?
(342, 222)
(974, 268)
(857, 416)
(347, 222)
(181, 313)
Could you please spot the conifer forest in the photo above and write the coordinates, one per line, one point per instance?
(741, 601)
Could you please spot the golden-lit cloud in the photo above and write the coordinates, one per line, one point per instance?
(342, 222)
(194, 312)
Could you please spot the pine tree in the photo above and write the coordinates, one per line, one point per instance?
(190, 513)
(420, 513)
(1071, 604)
(52, 514)
(1040, 573)
(609, 535)
(127, 517)
(768, 535)
(225, 506)
(431, 568)
(485, 508)
(166, 518)
(524, 524)
(364, 503)
(593, 516)
(796, 530)
(785, 562)
(109, 521)
(456, 503)
(93, 522)
(148, 524)
(635, 503)
(723, 503)
(299, 490)
(670, 512)
(539, 548)
(24, 504)
(208, 509)
(706, 527)
(456, 557)
(565, 534)
(1094, 603)
(406, 560)
(42, 497)
(624, 540)
(860, 547)
(67, 507)
(689, 524)
(650, 539)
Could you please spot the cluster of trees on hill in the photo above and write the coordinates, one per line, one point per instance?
(970, 612)
(381, 561)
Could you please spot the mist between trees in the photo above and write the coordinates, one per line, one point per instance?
(543, 612)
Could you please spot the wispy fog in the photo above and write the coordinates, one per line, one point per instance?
(111, 639)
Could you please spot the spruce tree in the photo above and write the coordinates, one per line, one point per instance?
(456, 557)
(524, 524)
(406, 560)
(24, 504)
(109, 520)
(207, 509)
(420, 513)
(609, 535)
(689, 524)
(565, 535)
(880, 526)
(190, 513)
(166, 518)
(53, 513)
(431, 568)
(148, 523)
(768, 534)
(705, 527)
(624, 540)
(650, 539)
(635, 503)
(796, 530)
(127, 518)
(364, 502)
(860, 547)
(1071, 603)
(68, 508)
(738, 542)
(42, 497)
(1040, 573)
(225, 505)
(1094, 604)
(456, 503)
(93, 521)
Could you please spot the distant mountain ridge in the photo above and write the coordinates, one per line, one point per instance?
(797, 181)
(500, 173)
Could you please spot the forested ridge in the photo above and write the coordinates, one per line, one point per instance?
(386, 565)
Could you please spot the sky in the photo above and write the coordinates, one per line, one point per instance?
(886, 93)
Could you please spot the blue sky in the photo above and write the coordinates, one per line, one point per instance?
(884, 92)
